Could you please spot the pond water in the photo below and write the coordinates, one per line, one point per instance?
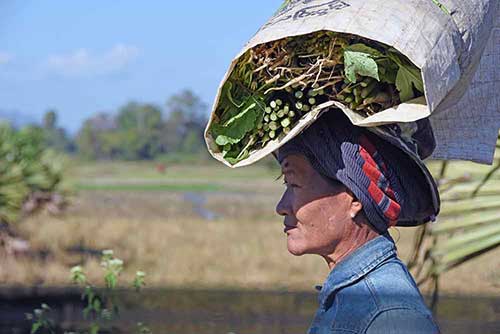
(223, 312)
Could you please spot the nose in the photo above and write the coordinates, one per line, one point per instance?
(283, 206)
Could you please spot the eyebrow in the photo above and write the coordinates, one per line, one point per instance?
(287, 170)
(286, 166)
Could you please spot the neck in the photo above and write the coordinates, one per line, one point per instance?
(360, 233)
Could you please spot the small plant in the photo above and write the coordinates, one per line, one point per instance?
(41, 321)
(139, 282)
(143, 329)
(100, 307)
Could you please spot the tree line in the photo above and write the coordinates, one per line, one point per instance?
(136, 131)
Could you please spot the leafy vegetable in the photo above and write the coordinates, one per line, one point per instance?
(273, 85)
(408, 76)
(358, 59)
(387, 70)
(360, 47)
(235, 129)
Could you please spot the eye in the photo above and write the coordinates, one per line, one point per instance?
(291, 185)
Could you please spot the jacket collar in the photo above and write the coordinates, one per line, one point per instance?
(357, 265)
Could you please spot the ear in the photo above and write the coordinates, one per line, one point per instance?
(356, 205)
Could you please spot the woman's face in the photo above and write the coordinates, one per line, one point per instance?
(317, 212)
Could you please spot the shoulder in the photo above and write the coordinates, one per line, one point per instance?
(400, 320)
(386, 291)
(400, 306)
(391, 285)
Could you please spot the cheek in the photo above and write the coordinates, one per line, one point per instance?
(323, 218)
(322, 224)
(319, 210)
(297, 203)
(317, 233)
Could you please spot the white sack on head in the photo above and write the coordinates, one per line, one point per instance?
(447, 47)
(467, 123)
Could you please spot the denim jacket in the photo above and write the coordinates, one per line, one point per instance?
(371, 291)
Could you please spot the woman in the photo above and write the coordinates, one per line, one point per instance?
(344, 188)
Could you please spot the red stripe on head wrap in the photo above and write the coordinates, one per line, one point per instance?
(372, 170)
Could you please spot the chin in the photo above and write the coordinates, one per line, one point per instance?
(296, 249)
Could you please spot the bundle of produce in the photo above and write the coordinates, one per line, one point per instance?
(274, 85)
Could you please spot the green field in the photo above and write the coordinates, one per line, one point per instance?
(158, 222)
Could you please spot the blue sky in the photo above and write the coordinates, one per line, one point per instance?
(86, 56)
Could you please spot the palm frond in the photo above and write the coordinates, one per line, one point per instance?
(468, 225)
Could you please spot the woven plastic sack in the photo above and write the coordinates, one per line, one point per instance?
(447, 42)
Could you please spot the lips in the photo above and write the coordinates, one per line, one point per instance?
(288, 228)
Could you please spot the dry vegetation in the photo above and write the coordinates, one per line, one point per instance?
(161, 233)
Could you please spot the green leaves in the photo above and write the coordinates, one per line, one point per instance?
(78, 276)
(113, 267)
(360, 59)
(27, 169)
(387, 70)
(275, 84)
(408, 77)
(42, 323)
(139, 282)
(36, 326)
(101, 307)
(362, 48)
(240, 114)
(392, 68)
(235, 129)
(404, 80)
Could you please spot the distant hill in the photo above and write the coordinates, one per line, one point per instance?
(16, 118)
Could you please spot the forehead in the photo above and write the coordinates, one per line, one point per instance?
(296, 164)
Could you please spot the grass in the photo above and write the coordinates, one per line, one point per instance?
(152, 187)
(144, 175)
(148, 170)
(147, 219)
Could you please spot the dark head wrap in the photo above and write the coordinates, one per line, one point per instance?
(386, 180)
